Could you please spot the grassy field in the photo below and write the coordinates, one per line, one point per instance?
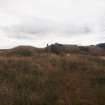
(50, 79)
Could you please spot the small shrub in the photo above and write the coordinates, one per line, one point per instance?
(24, 53)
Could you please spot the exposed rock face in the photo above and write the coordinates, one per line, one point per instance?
(56, 48)
(60, 48)
(96, 50)
(102, 45)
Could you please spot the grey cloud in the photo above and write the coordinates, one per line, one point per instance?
(36, 26)
(41, 21)
(31, 26)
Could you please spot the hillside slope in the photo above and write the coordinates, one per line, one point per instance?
(22, 51)
(96, 50)
(57, 48)
(52, 79)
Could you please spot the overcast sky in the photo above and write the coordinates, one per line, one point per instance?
(38, 22)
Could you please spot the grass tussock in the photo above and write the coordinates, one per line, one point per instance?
(50, 79)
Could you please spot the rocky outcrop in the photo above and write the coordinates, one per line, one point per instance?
(101, 45)
(60, 48)
(56, 48)
(66, 48)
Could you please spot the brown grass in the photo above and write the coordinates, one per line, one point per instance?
(50, 79)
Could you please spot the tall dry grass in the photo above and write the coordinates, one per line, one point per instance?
(50, 79)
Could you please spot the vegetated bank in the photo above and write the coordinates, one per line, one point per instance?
(52, 79)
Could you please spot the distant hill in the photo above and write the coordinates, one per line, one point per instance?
(60, 48)
(57, 48)
(102, 45)
(24, 50)
(68, 48)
